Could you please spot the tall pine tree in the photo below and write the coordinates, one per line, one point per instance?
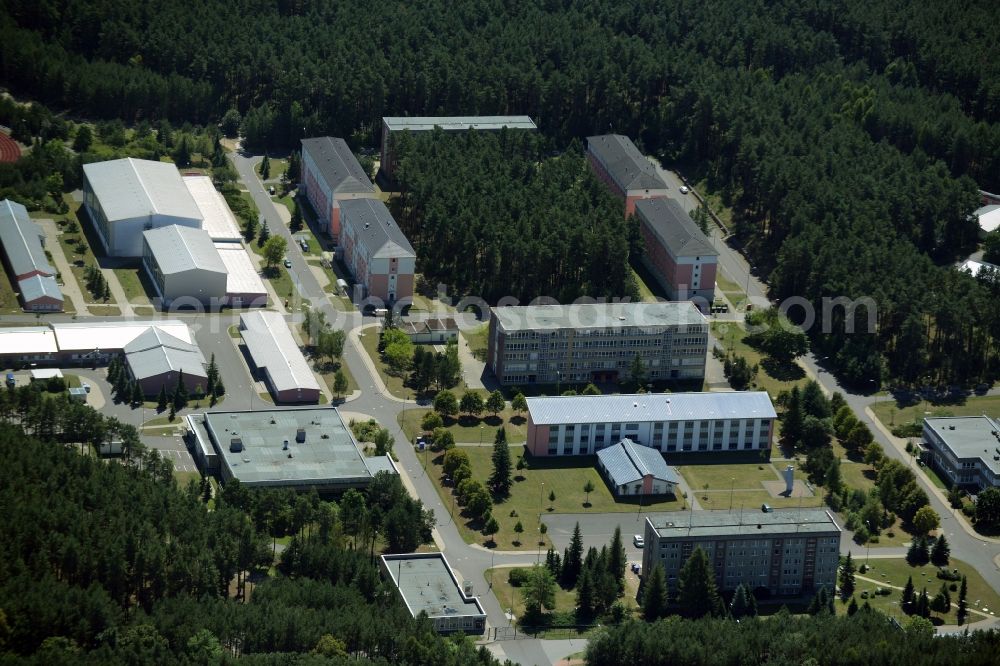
(500, 480)
(697, 592)
(654, 596)
(573, 558)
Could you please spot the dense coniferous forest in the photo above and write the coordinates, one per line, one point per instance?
(490, 216)
(109, 562)
(848, 138)
(867, 637)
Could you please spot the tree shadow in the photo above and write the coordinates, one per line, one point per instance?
(492, 421)
(518, 420)
(785, 372)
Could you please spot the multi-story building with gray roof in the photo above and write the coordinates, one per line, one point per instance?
(787, 552)
(965, 449)
(628, 173)
(678, 254)
(672, 423)
(581, 343)
(331, 174)
(376, 252)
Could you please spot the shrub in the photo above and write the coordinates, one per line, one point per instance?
(517, 577)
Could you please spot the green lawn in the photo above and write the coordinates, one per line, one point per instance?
(510, 597)
(281, 281)
(478, 340)
(315, 247)
(329, 371)
(183, 478)
(733, 291)
(466, 429)
(565, 476)
(732, 486)
(857, 475)
(895, 571)
(104, 310)
(393, 383)
(730, 337)
(890, 413)
(8, 297)
(132, 282)
(935, 479)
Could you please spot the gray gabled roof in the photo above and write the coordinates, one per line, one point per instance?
(156, 352)
(624, 163)
(627, 462)
(273, 348)
(178, 249)
(337, 165)
(21, 240)
(130, 188)
(375, 229)
(38, 286)
(674, 227)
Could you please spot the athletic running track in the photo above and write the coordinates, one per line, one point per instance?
(9, 151)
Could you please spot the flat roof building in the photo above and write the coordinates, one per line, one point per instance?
(619, 164)
(184, 266)
(216, 217)
(244, 286)
(966, 449)
(427, 584)
(580, 343)
(787, 552)
(276, 354)
(678, 254)
(128, 196)
(156, 360)
(300, 449)
(635, 470)
(973, 268)
(23, 244)
(376, 251)
(672, 423)
(431, 330)
(80, 342)
(331, 174)
(394, 124)
(988, 218)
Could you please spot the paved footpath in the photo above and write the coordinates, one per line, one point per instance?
(70, 288)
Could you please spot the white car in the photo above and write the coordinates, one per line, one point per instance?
(685, 189)
(638, 541)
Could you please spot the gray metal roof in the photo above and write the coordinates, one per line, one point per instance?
(378, 464)
(273, 348)
(178, 249)
(375, 229)
(328, 456)
(674, 227)
(38, 286)
(627, 462)
(130, 188)
(748, 522)
(426, 583)
(156, 352)
(22, 240)
(598, 315)
(624, 163)
(644, 407)
(337, 165)
(457, 123)
(969, 437)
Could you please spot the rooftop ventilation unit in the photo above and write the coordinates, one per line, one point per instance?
(235, 445)
(300, 435)
(284, 447)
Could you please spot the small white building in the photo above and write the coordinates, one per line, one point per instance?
(184, 266)
(128, 196)
(988, 218)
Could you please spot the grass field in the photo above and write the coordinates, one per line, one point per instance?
(857, 475)
(733, 291)
(894, 572)
(393, 383)
(510, 597)
(329, 374)
(467, 429)
(889, 412)
(730, 337)
(731, 486)
(8, 297)
(132, 284)
(104, 310)
(530, 496)
(478, 341)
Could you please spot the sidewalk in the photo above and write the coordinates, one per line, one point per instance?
(117, 292)
(70, 288)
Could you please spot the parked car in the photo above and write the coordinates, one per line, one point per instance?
(271, 190)
(288, 262)
(766, 508)
(638, 541)
(685, 189)
(10, 379)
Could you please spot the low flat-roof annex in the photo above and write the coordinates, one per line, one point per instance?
(217, 219)
(969, 437)
(427, 584)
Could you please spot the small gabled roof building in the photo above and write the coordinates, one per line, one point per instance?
(23, 247)
(633, 469)
(276, 354)
(156, 359)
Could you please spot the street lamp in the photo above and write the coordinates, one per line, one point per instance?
(541, 495)
(868, 544)
(746, 303)
(480, 434)
(732, 483)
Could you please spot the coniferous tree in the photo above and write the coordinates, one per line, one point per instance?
(963, 603)
(161, 399)
(792, 421)
(922, 607)
(585, 601)
(941, 552)
(180, 393)
(617, 560)
(907, 600)
(847, 578)
(500, 479)
(697, 592)
(852, 607)
(739, 607)
(137, 397)
(654, 595)
(573, 558)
